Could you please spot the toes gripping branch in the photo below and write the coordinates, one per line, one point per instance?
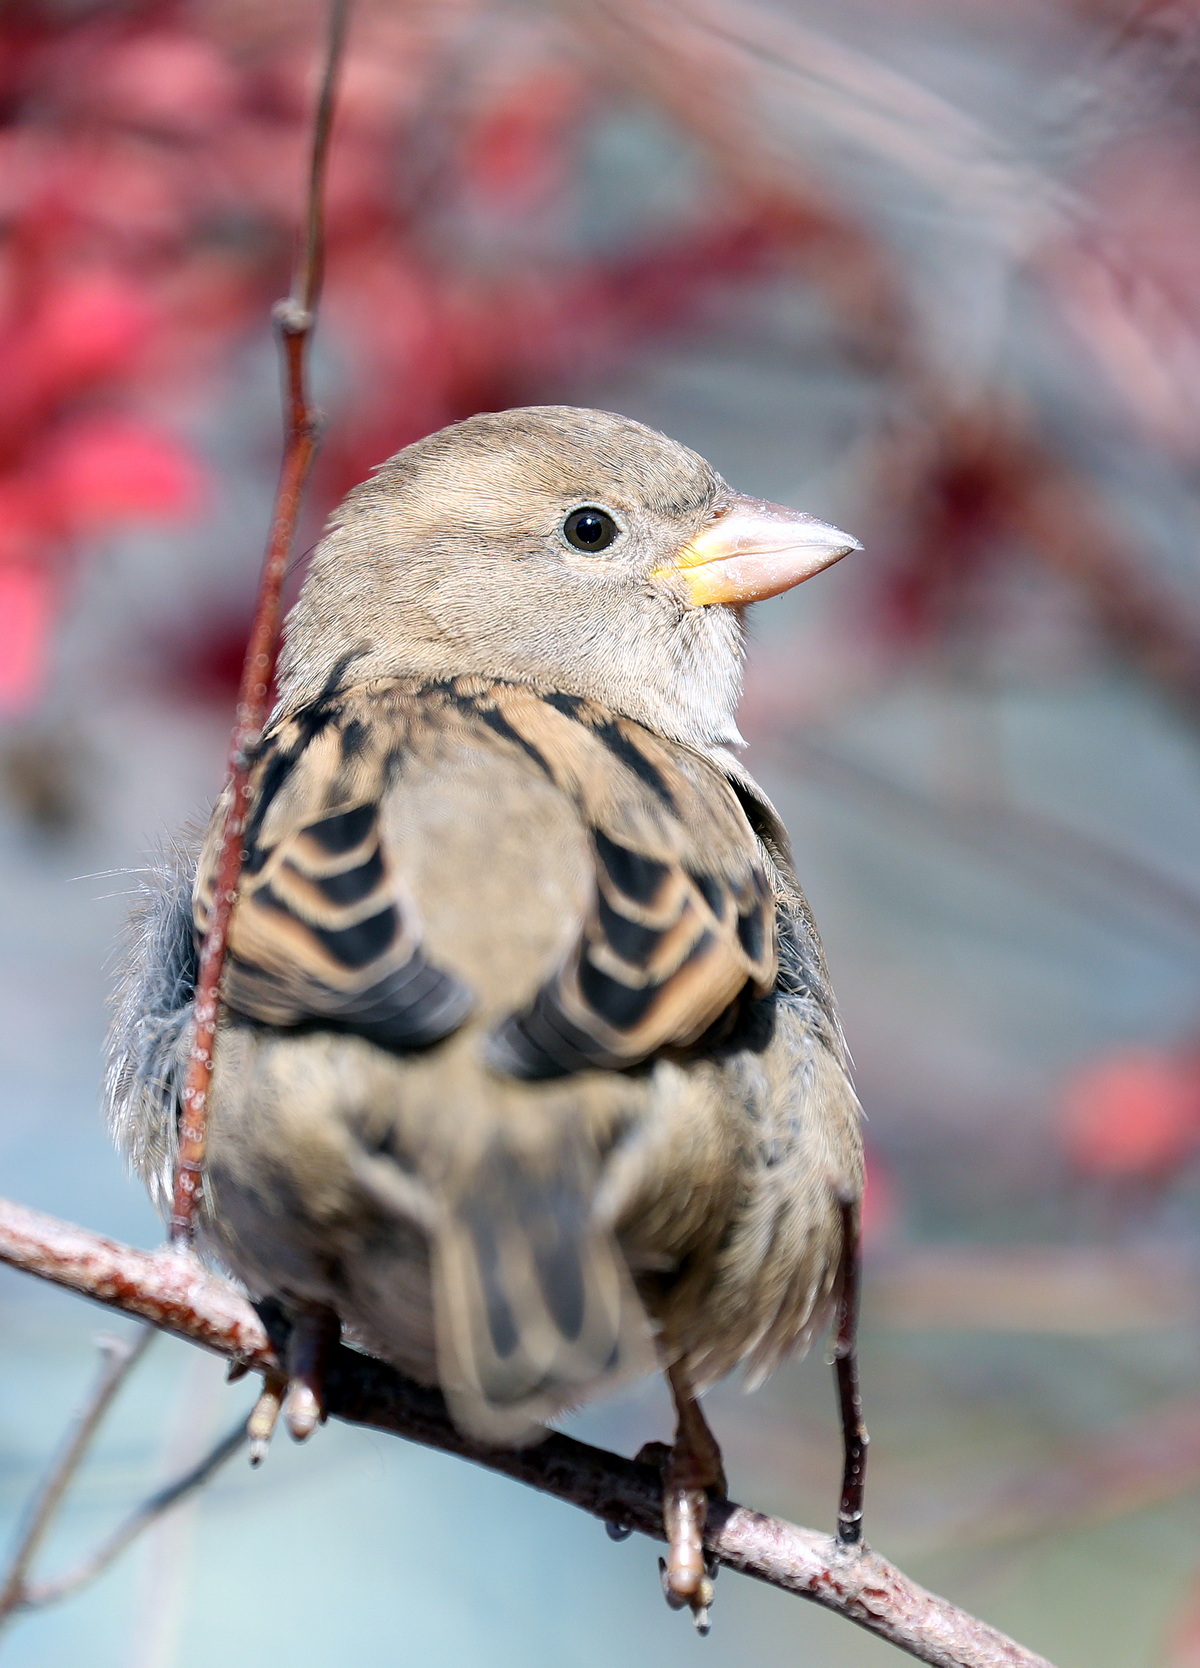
(691, 1471)
(314, 1336)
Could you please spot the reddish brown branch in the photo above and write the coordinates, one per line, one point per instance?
(169, 1288)
(296, 319)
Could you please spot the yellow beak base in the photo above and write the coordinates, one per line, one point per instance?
(752, 550)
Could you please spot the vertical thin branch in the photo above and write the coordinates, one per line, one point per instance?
(121, 1355)
(306, 286)
(295, 319)
(845, 1359)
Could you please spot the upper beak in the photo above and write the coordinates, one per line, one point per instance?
(753, 550)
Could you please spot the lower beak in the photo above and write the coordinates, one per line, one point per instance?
(753, 550)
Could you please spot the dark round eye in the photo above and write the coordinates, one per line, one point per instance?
(590, 529)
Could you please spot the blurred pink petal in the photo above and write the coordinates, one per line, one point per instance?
(26, 611)
(170, 81)
(1132, 1114)
(85, 329)
(111, 469)
(880, 1204)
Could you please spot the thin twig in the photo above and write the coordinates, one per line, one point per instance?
(143, 1516)
(306, 287)
(855, 1582)
(296, 320)
(855, 1440)
(121, 1356)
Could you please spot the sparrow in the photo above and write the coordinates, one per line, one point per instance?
(529, 1076)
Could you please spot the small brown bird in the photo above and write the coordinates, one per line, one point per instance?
(528, 1074)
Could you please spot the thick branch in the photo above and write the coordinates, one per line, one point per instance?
(170, 1289)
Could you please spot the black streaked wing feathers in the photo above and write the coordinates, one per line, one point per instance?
(682, 921)
(322, 933)
(680, 930)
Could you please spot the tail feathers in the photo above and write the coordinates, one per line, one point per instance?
(536, 1310)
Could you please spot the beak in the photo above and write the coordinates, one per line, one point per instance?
(753, 550)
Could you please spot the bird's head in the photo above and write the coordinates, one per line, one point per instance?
(550, 545)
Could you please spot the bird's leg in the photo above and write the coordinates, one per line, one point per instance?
(315, 1331)
(845, 1366)
(691, 1468)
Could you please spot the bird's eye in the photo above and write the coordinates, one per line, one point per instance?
(590, 529)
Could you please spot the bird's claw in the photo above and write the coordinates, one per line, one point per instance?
(260, 1427)
(686, 1578)
(300, 1397)
(687, 1572)
(303, 1410)
(315, 1333)
(700, 1602)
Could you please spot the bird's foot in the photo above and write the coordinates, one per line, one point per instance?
(300, 1397)
(316, 1331)
(692, 1472)
(687, 1571)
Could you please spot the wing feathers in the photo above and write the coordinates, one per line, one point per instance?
(682, 921)
(323, 933)
(680, 928)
